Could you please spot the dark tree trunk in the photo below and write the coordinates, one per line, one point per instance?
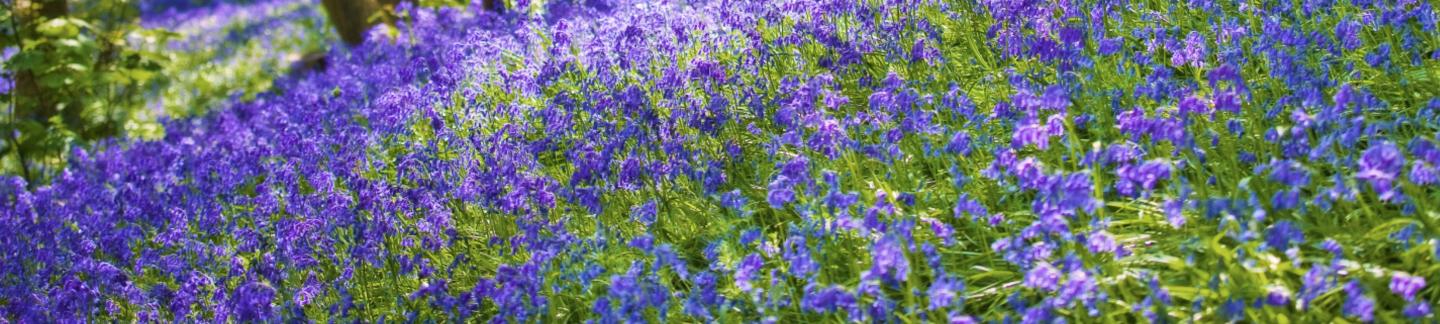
(351, 18)
(33, 100)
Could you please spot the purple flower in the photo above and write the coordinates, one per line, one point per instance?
(1194, 52)
(1316, 282)
(1145, 176)
(1101, 242)
(1078, 286)
(1173, 208)
(958, 102)
(1031, 134)
(1357, 304)
(1330, 245)
(645, 213)
(1289, 173)
(1418, 309)
(1379, 165)
(797, 254)
(632, 172)
(1277, 297)
(967, 206)
(921, 52)
(1282, 234)
(781, 192)
(1110, 45)
(828, 138)
(1042, 276)
(253, 302)
(796, 169)
(1406, 285)
(826, 300)
(888, 260)
(1424, 174)
(733, 200)
(944, 292)
(747, 271)
(1348, 33)
(958, 318)
(959, 144)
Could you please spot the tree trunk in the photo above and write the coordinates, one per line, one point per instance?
(33, 100)
(351, 18)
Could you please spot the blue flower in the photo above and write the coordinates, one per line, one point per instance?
(781, 192)
(967, 206)
(888, 261)
(1357, 304)
(944, 292)
(733, 200)
(1194, 52)
(1277, 297)
(645, 213)
(1136, 179)
(1101, 242)
(1289, 173)
(1348, 34)
(827, 300)
(1079, 286)
(1379, 165)
(959, 144)
(1042, 276)
(253, 302)
(1417, 309)
(1172, 209)
(1282, 234)
(747, 271)
(1406, 285)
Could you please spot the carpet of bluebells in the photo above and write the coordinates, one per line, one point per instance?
(781, 161)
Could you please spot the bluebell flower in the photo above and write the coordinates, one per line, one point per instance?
(1277, 297)
(1079, 286)
(1042, 276)
(959, 143)
(781, 192)
(1418, 309)
(944, 292)
(253, 302)
(1379, 165)
(733, 200)
(1173, 215)
(827, 300)
(1357, 304)
(1282, 234)
(828, 138)
(1348, 34)
(1406, 285)
(797, 254)
(967, 206)
(1193, 53)
(1138, 179)
(888, 260)
(1330, 245)
(750, 236)
(747, 271)
(1101, 242)
(1380, 57)
(1424, 174)
(1289, 173)
(645, 213)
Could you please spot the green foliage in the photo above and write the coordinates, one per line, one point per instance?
(77, 81)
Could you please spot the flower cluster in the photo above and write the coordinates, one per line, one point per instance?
(764, 161)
